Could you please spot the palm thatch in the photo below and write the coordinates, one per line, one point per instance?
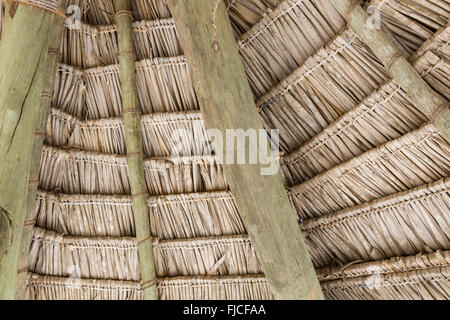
(91, 46)
(180, 288)
(399, 225)
(80, 172)
(367, 171)
(419, 157)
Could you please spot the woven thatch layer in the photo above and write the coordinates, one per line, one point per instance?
(384, 115)
(420, 157)
(420, 277)
(164, 134)
(199, 288)
(404, 224)
(117, 258)
(246, 13)
(164, 85)
(285, 38)
(94, 46)
(414, 21)
(438, 76)
(101, 12)
(78, 172)
(333, 81)
(172, 217)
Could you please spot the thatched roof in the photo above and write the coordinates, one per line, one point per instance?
(367, 172)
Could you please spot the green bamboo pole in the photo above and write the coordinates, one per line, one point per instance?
(133, 136)
(433, 105)
(24, 65)
(227, 102)
(55, 40)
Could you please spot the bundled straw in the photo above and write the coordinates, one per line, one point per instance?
(403, 224)
(270, 52)
(414, 21)
(93, 258)
(438, 75)
(246, 13)
(420, 277)
(78, 172)
(200, 288)
(420, 157)
(215, 288)
(386, 114)
(116, 258)
(93, 46)
(101, 12)
(330, 83)
(70, 91)
(172, 217)
(195, 215)
(232, 255)
(52, 288)
(165, 134)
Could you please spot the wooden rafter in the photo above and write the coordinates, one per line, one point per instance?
(227, 103)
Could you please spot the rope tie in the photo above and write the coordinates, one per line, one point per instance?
(350, 10)
(51, 6)
(30, 223)
(122, 13)
(54, 51)
(143, 241)
(127, 54)
(132, 112)
(438, 112)
(141, 194)
(23, 270)
(135, 154)
(47, 95)
(392, 61)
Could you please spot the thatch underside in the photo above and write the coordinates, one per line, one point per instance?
(366, 171)
(426, 276)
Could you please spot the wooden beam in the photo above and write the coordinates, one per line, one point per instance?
(55, 39)
(432, 104)
(227, 103)
(24, 66)
(133, 137)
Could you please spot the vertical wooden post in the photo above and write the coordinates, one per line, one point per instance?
(24, 64)
(227, 103)
(433, 105)
(133, 136)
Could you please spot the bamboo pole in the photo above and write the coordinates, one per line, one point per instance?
(133, 137)
(227, 103)
(433, 105)
(24, 65)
